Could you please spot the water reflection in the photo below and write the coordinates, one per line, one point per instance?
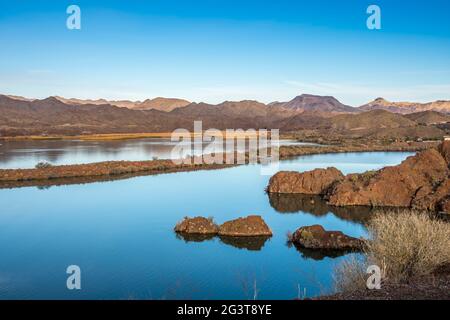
(187, 237)
(26, 154)
(319, 255)
(315, 205)
(248, 243)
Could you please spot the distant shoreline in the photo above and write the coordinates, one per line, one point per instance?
(99, 137)
(111, 170)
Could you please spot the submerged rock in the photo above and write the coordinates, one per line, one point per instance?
(317, 181)
(197, 225)
(315, 237)
(245, 227)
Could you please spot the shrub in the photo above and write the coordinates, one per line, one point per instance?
(350, 275)
(43, 165)
(408, 243)
(404, 244)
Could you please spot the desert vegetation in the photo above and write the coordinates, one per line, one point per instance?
(405, 244)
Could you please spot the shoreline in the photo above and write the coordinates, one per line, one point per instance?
(114, 170)
(111, 136)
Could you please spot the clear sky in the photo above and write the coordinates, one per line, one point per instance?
(215, 50)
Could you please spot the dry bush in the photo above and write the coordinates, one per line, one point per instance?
(404, 244)
(350, 275)
(408, 244)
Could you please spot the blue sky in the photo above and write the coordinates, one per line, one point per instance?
(219, 50)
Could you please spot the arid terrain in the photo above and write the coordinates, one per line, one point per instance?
(323, 115)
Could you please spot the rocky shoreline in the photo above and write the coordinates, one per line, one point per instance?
(420, 182)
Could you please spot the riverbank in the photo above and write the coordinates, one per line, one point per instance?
(112, 170)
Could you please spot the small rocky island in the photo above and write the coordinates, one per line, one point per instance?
(251, 226)
(316, 237)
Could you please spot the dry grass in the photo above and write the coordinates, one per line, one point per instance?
(350, 275)
(404, 244)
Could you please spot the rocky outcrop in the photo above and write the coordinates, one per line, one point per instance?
(253, 228)
(413, 183)
(421, 182)
(245, 227)
(316, 237)
(197, 225)
(317, 181)
(431, 200)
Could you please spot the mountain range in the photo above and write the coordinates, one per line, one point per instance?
(57, 115)
(407, 107)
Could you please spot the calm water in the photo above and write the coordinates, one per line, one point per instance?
(26, 154)
(120, 234)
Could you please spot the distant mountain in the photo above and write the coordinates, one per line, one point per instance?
(163, 104)
(379, 119)
(406, 107)
(52, 116)
(118, 103)
(308, 102)
(19, 98)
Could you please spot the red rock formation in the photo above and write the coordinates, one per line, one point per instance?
(414, 179)
(249, 226)
(197, 225)
(315, 237)
(311, 182)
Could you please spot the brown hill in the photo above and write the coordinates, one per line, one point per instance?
(308, 102)
(406, 107)
(383, 124)
(429, 117)
(118, 103)
(379, 119)
(306, 120)
(163, 104)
